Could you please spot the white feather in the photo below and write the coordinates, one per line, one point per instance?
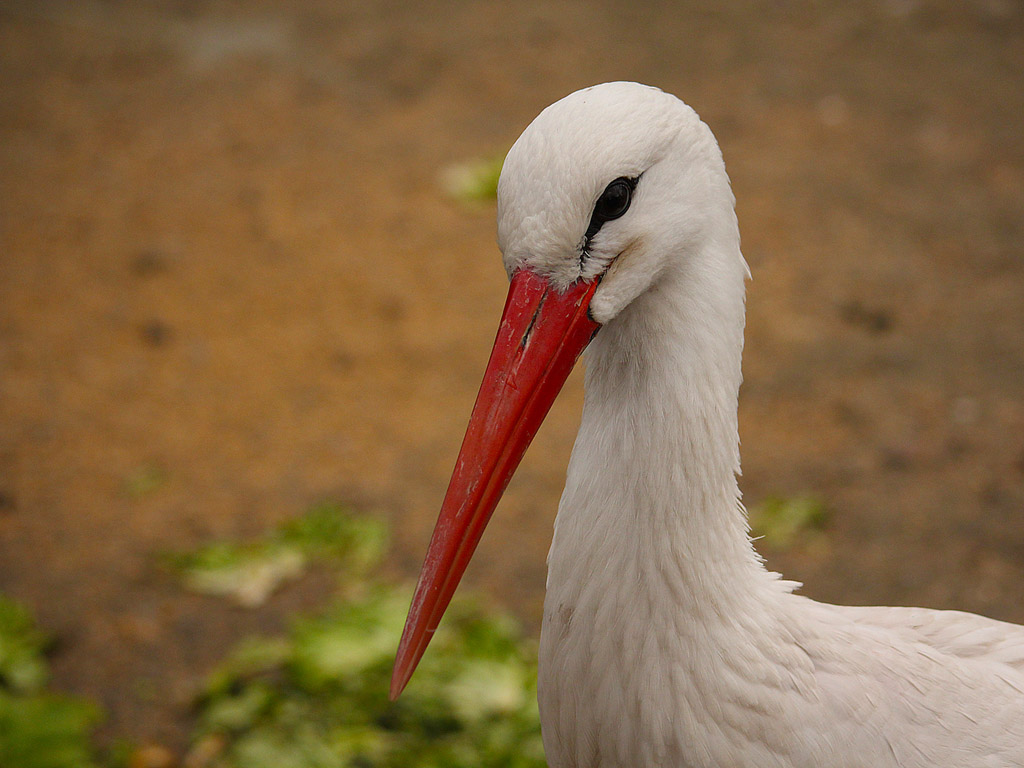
(665, 641)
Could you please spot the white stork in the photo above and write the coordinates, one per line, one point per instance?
(665, 641)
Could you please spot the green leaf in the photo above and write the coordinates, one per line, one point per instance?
(46, 731)
(249, 573)
(782, 521)
(330, 531)
(472, 182)
(22, 666)
(249, 576)
(319, 697)
(38, 729)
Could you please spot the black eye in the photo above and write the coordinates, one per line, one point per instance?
(612, 203)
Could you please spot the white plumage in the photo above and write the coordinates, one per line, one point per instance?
(665, 641)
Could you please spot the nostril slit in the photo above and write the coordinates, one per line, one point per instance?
(533, 320)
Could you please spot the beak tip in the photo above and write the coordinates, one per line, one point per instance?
(406, 659)
(399, 679)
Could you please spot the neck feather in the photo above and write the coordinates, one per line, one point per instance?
(651, 497)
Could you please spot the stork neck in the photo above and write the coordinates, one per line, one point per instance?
(651, 493)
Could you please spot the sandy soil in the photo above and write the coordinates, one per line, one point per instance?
(224, 258)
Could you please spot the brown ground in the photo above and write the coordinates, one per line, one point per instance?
(225, 256)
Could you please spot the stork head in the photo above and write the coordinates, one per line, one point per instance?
(603, 194)
(613, 182)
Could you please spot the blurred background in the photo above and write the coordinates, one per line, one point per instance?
(235, 282)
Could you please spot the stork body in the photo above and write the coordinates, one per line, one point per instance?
(665, 641)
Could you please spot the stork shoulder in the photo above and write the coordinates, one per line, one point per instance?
(957, 633)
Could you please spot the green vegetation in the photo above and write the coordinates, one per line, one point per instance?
(473, 182)
(317, 698)
(782, 522)
(38, 728)
(249, 573)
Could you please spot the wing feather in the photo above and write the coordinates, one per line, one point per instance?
(961, 634)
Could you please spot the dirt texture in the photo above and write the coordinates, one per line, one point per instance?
(231, 286)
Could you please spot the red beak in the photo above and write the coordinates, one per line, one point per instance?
(541, 335)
